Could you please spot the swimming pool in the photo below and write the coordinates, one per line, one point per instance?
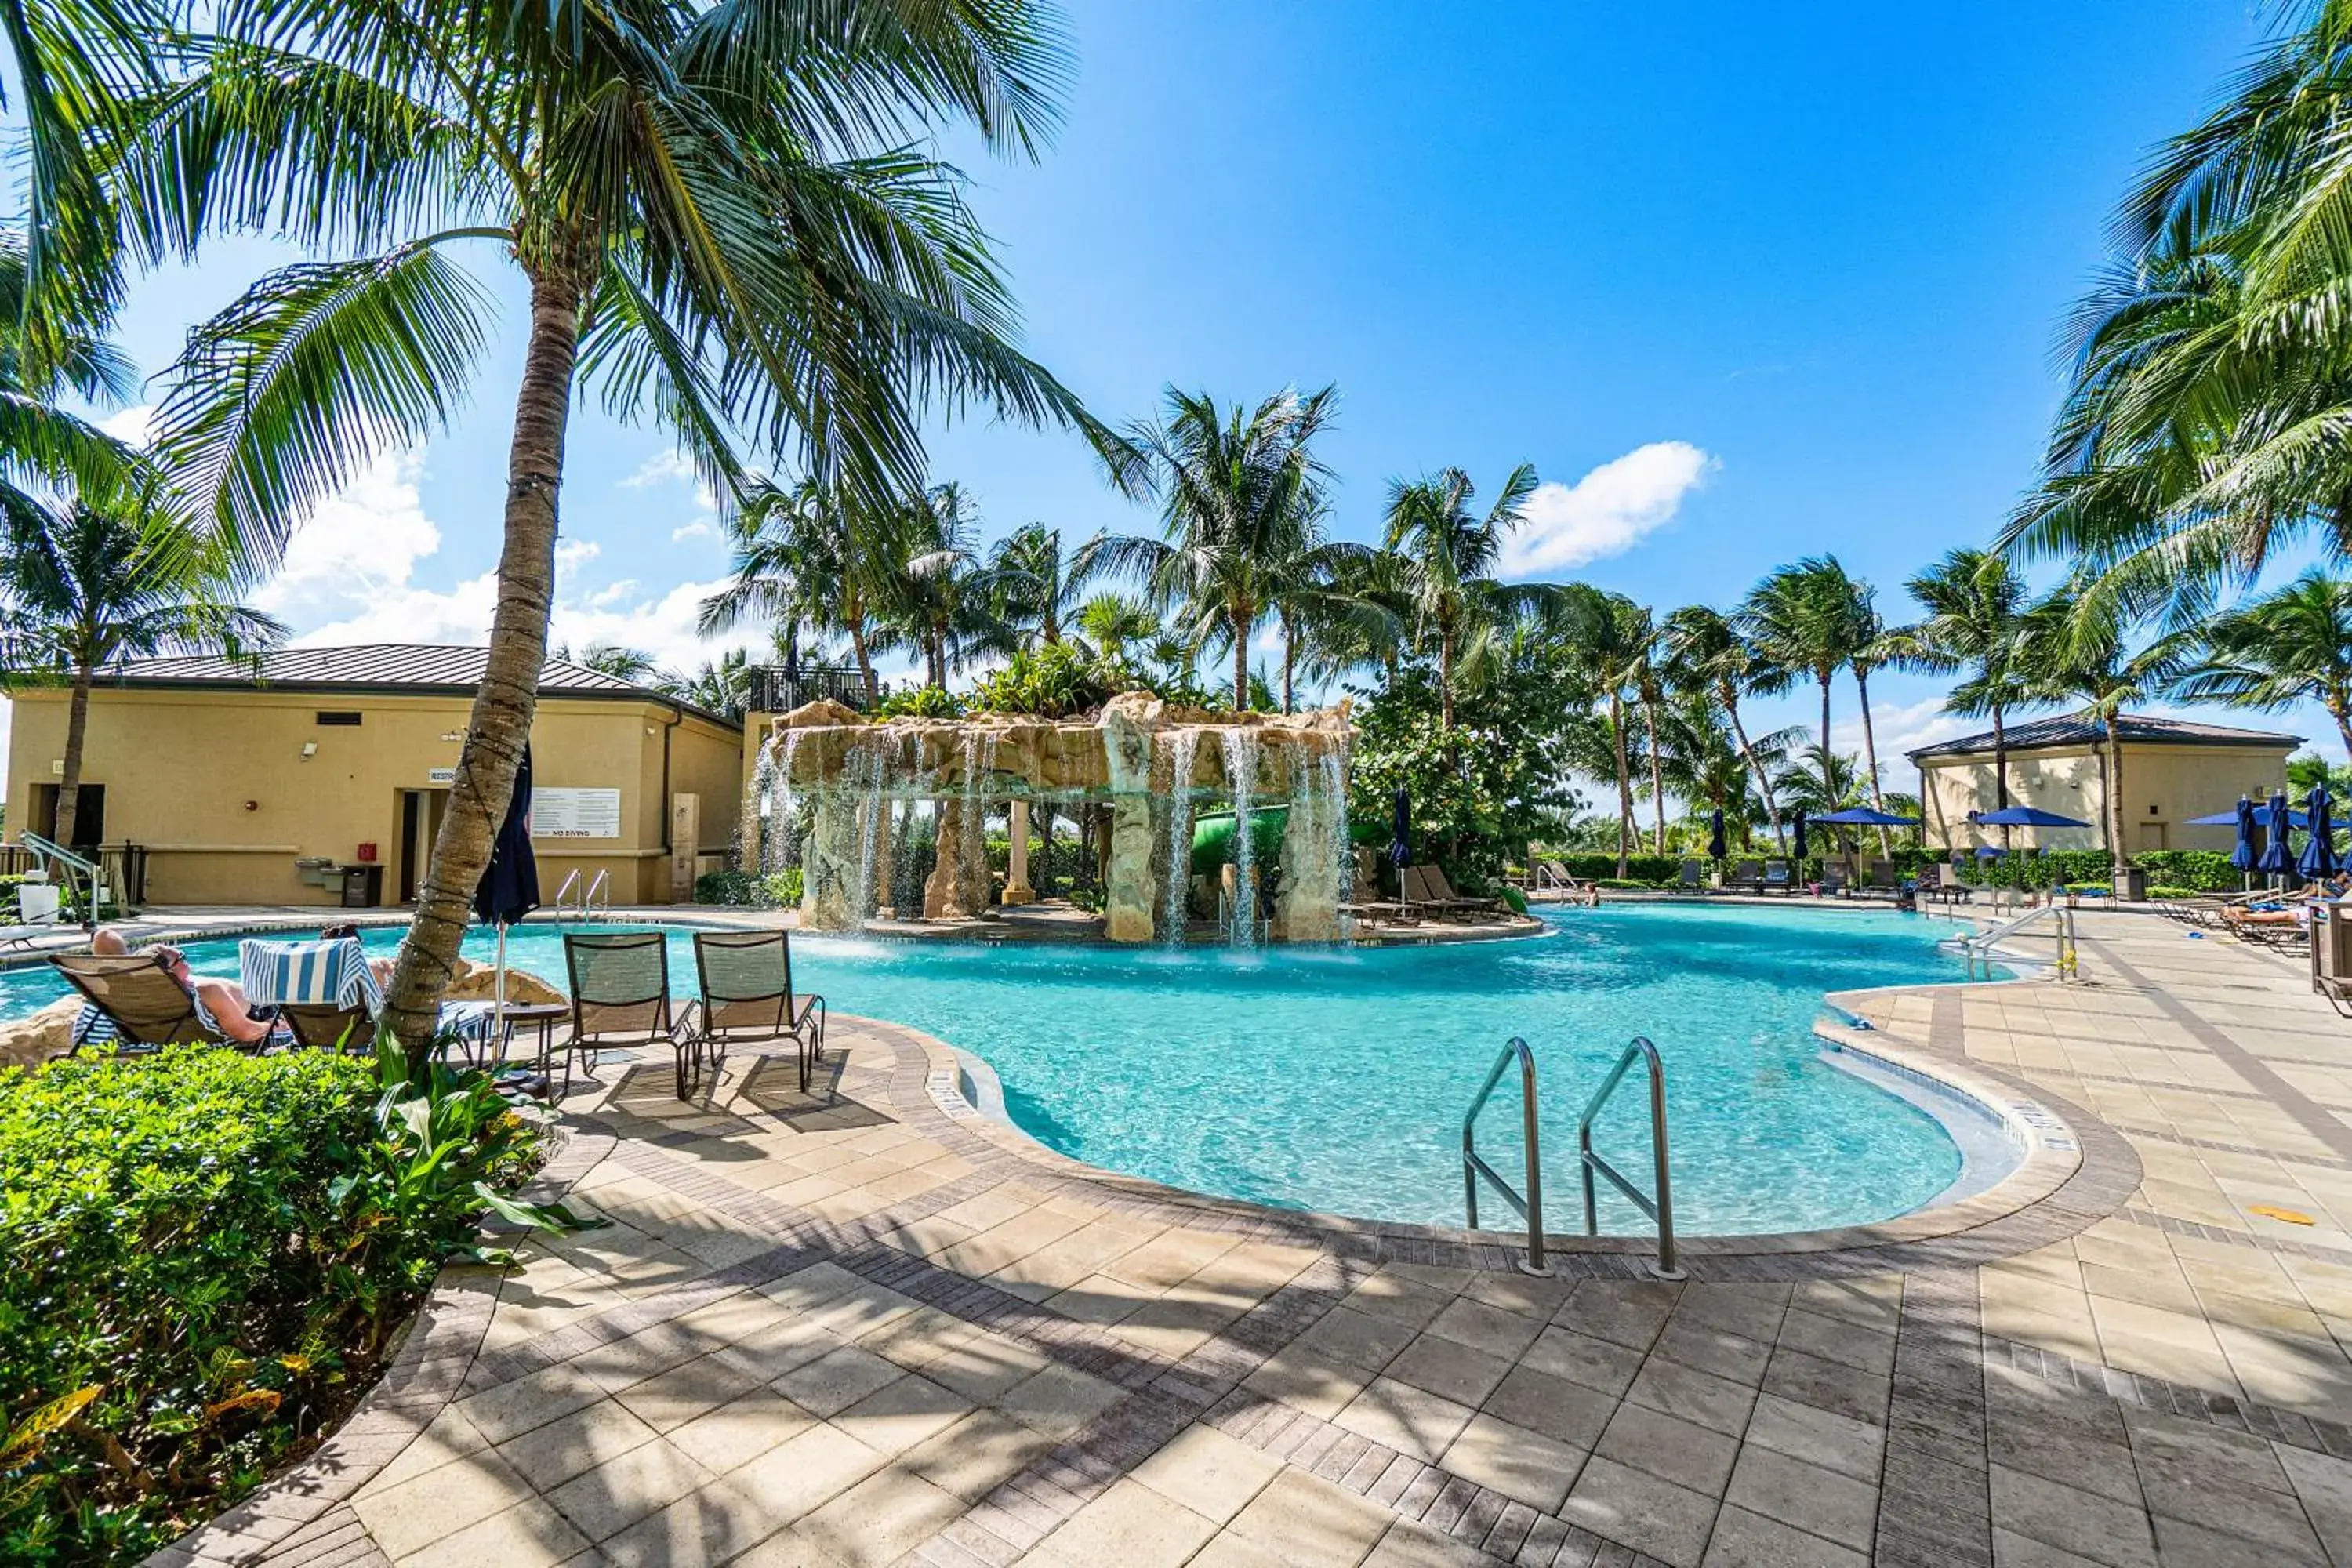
(1335, 1080)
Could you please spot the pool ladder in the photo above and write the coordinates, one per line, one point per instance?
(1659, 1208)
(595, 898)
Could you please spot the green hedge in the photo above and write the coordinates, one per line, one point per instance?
(779, 889)
(206, 1253)
(2198, 869)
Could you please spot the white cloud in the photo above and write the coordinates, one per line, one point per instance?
(701, 529)
(661, 468)
(1606, 513)
(1899, 729)
(131, 424)
(361, 548)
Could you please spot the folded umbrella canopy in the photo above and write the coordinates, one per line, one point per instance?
(1401, 846)
(2319, 859)
(2241, 853)
(1800, 815)
(2277, 858)
(1715, 847)
(510, 886)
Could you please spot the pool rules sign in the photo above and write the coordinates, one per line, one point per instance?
(575, 814)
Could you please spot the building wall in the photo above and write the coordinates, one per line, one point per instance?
(2164, 787)
(215, 784)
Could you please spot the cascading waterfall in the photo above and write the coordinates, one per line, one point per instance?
(873, 762)
(1334, 771)
(1183, 746)
(979, 780)
(749, 829)
(780, 842)
(1241, 770)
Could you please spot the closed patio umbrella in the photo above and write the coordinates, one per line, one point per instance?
(1715, 847)
(2318, 860)
(1799, 832)
(2277, 858)
(510, 886)
(2241, 853)
(1401, 846)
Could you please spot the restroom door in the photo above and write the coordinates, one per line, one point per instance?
(421, 811)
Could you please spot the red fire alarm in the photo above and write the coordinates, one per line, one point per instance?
(367, 853)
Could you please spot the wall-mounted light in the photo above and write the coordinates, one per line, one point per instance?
(309, 750)
(253, 805)
(453, 736)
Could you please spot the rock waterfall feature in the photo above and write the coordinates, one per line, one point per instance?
(868, 787)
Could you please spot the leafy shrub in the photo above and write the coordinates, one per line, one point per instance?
(749, 888)
(208, 1252)
(921, 702)
(2168, 891)
(1052, 681)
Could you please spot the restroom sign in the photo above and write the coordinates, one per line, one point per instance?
(575, 814)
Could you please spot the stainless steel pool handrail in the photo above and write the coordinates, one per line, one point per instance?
(1473, 1165)
(598, 896)
(1661, 1209)
(563, 895)
(1979, 946)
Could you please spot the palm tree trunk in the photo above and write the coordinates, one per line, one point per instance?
(865, 659)
(1657, 785)
(2342, 713)
(1829, 783)
(499, 726)
(69, 779)
(2000, 772)
(1241, 619)
(2118, 853)
(1625, 785)
(1870, 759)
(1289, 662)
(1755, 770)
(1445, 677)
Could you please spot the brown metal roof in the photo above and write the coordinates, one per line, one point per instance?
(375, 667)
(2144, 729)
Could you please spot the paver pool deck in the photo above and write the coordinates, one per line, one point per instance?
(863, 1327)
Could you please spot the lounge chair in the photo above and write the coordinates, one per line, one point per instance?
(747, 998)
(1776, 877)
(1694, 877)
(329, 998)
(1834, 882)
(1942, 882)
(1882, 878)
(146, 1006)
(1746, 876)
(620, 999)
(1432, 876)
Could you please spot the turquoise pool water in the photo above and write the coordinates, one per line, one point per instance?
(1335, 1080)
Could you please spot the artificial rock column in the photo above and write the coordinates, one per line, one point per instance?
(944, 890)
(1017, 889)
(1307, 903)
(1132, 892)
(830, 864)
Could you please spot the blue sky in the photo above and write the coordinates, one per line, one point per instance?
(1743, 282)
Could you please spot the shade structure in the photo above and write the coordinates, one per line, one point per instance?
(1867, 816)
(2278, 856)
(2262, 818)
(1715, 848)
(2241, 853)
(1799, 817)
(2318, 858)
(2026, 816)
(1401, 843)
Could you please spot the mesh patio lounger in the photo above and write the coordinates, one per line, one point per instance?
(620, 997)
(1776, 876)
(147, 1005)
(1440, 891)
(748, 997)
(329, 998)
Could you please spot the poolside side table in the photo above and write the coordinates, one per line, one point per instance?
(544, 1015)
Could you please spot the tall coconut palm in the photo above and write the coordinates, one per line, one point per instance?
(2078, 647)
(1705, 763)
(46, 367)
(1810, 618)
(1613, 638)
(723, 213)
(1449, 554)
(722, 686)
(944, 594)
(1110, 622)
(104, 576)
(1038, 585)
(806, 555)
(615, 659)
(2291, 646)
(1704, 653)
(1240, 491)
(1975, 608)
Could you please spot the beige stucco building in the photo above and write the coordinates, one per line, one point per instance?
(283, 782)
(2173, 770)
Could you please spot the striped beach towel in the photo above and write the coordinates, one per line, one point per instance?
(308, 974)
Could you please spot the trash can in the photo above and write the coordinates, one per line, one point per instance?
(2133, 888)
(363, 887)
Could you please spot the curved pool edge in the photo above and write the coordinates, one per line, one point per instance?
(2070, 1175)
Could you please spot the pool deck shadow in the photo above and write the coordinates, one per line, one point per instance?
(909, 1336)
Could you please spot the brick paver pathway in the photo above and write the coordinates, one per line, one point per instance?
(849, 1329)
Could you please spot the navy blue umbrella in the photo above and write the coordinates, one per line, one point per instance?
(2262, 818)
(2278, 857)
(2318, 860)
(510, 886)
(2026, 816)
(1866, 817)
(1716, 849)
(2241, 853)
(1401, 846)
(1799, 817)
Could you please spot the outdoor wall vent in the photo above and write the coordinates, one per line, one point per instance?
(340, 719)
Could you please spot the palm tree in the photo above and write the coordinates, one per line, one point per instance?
(1239, 493)
(1111, 621)
(1818, 782)
(1811, 617)
(1703, 653)
(2291, 646)
(1038, 586)
(943, 597)
(615, 659)
(804, 556)
(723, 688)
(1612, 636)
(2076, 646)
(1449, 556)
(45, 366)
(1975, 608)
(1707, 763)
(106, 576)
(724, 216)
